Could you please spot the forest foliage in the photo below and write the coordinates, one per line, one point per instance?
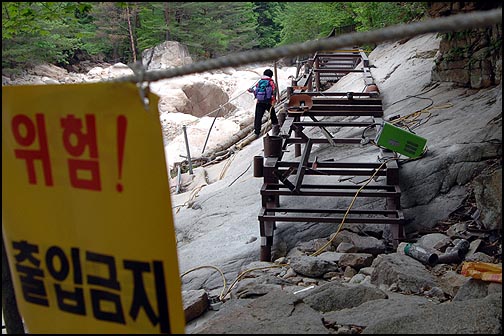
(56, 32)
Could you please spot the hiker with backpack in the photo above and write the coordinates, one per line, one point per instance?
(265, 93)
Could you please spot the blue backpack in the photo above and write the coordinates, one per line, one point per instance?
(264, 91)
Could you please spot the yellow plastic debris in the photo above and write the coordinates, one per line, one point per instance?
(482, 270)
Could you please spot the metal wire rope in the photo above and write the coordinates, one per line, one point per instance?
(456, 22)
(452, 23)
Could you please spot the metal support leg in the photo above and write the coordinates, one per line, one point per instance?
(266, 240)
(267, 228)
(394, 203)
(299, 133)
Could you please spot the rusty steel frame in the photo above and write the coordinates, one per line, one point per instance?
(286, 178)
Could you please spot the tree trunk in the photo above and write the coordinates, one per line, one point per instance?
(167, 20)
(130, 30)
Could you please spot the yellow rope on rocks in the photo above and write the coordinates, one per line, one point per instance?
(412, 120)
(320, 250)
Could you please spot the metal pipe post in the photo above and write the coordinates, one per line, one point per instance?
(258, 166)
(276, 82)
(187, 148)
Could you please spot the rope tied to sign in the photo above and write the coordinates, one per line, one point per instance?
(142, 85)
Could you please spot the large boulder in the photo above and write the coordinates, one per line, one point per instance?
(488, 193)
(168, 54)
(48, 70)
(274, 313)
(99, 73)
(408, 274)
(192, 95)
(204, 97)
(477, 316)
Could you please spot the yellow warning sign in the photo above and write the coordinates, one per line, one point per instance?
(86, 210)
